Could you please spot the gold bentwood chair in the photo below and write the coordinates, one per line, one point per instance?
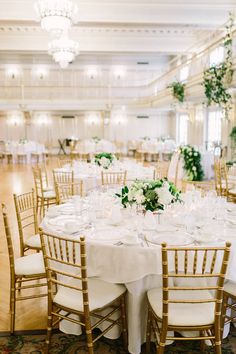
(25, 206)
(65, 191)
(113, 178)
(162, 169)
(194, 301)
(70, 290)
(223, 188)
(62, 161)
(62, 177)
(23, 271)
(229, 304)
(44, 197)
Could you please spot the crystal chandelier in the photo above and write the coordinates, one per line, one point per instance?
(56, 16)
(63, 50)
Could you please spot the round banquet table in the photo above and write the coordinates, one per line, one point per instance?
(91, 173)
(27, 148)
(137, 264)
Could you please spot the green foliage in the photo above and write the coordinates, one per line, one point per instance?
(192, 163)
(216, 78)
(233, 134)
(104, 159)
(149, 195)
(178, 90)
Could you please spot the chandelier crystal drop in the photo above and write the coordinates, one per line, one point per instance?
(63, 50)
(56, 16)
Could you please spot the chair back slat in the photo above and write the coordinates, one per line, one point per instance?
(186, 265)
(63, 176)
(25, 206)
(9, 240)
(58, 251)
(65, 191)
(113, 178)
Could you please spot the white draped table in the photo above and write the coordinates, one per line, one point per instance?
(125, 248)
(91, 173)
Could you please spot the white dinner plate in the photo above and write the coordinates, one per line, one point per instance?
(169, 238)
(63, 219)
(107, 233)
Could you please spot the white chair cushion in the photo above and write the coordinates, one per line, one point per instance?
(33, 241)
(101, 293)
(48, 188)
(184, 314)
(232, 191)
(230, 287)
(31, 264)
(49, 194)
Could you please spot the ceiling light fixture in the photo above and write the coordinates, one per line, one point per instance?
(56, 16)
(63, 50)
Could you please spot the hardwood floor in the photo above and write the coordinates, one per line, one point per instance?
(30, 314)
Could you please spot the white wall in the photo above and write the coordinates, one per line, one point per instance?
(130, 127)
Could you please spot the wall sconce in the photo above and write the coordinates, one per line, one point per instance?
(119, 72)
(41, 72)
(15, 120)
(43, 120)
(93, 119)
(12, 72)
(92, 73)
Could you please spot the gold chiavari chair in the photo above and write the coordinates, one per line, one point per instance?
(194, 301)
(44, 198)
(64, 191)
(162, 169)
(70, 290)
(229, 304)
(113, 178)
(62, 177)
(223, 188)
(221, 181)
(25, 206)
(62, 161)
(202, 186)
(23, 271)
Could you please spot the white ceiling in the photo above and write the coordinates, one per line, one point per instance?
(110, 33)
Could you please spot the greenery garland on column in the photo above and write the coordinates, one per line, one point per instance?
(178, 90)
(192, 163)
(217, 77)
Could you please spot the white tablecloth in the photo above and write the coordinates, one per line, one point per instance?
(27, 148)
(139, 267)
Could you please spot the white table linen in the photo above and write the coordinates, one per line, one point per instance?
(139, 266)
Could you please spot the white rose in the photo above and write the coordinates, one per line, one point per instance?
(190, 153)
(104, 161)
(130, 195)
(164, 195)
(139, 197)
(195, 154)
(194, 168)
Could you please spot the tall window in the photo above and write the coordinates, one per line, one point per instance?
(182, 129)
(184, 72)
(214, 127)
(216, 56)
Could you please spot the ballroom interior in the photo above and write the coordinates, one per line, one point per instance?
(117, 176)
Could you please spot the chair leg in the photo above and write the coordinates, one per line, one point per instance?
(149, 330)
(218, 338)
(124, 323)
(49, 328)
(12, 307)
(223, 314)
(89, 336)
(162, 343)
(203, 344)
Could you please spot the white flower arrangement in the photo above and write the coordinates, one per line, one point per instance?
(149, 195)
(104, 159)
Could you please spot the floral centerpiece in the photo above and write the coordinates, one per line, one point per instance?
(96, 139)
(104, 159)
(192, 163)
(149, 195)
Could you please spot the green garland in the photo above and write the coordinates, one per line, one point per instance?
(217, 77)
(104, 159)
(192, 163)
(178, 90)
